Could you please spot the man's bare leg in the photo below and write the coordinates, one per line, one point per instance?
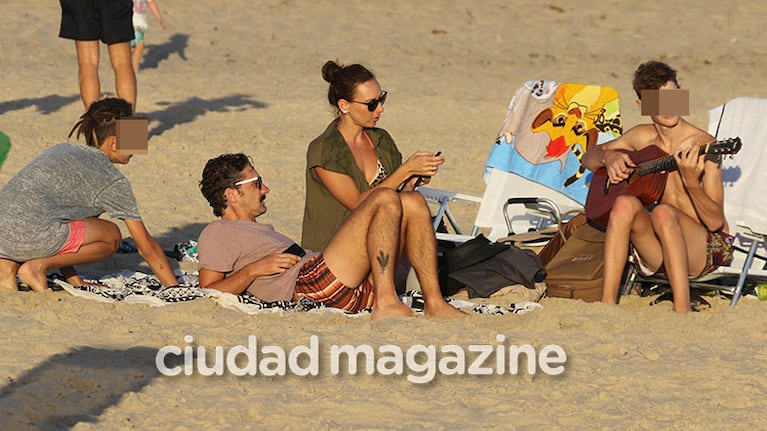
(88, 64)
(101, 241)
(8, 269)
(421, 246)
(374, 227)
(125, 77)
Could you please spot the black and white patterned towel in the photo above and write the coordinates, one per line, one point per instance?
(140, 288)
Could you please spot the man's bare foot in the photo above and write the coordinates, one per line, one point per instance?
(33, 274)
(397, 309)
(443, 310)
(8, 270)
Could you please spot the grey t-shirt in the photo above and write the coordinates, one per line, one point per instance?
(65, 182)
(229, 245)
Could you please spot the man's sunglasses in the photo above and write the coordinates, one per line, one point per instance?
(259, 182)
(373, 104)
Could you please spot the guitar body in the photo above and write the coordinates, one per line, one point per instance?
(647, 188)
(647, 181)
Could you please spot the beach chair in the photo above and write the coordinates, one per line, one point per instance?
(533, 177)
(744, 204)
(744, 178)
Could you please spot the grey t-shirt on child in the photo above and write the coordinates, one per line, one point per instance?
(65, 182)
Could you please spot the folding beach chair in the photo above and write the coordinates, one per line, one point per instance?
(744, 204)
(533, 174)
(744, 178)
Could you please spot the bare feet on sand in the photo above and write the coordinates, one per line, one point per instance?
(443, 310)
(8, 270)
(394, 309)
(33, 275)
(440, 310)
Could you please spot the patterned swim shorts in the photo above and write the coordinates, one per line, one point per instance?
(718, 251)
(315, 281)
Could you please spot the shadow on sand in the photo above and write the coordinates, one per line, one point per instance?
(46, 105)
(162, 120)
(187, 111)
(155, 54)
(75, 386)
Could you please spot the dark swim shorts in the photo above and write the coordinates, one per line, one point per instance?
(110, 21)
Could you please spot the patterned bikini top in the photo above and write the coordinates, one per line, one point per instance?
(381, 175)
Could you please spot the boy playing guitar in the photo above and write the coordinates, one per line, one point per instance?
(685, 234)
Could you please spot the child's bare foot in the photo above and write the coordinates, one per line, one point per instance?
(397, 309)
(8, 270)
(33, 275)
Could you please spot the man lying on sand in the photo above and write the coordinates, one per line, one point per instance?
(50, 209)
(236, 253)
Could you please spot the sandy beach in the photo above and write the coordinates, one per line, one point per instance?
(242, 76)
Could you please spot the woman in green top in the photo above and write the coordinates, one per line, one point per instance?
(352, 156)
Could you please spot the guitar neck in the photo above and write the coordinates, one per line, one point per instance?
(666, 163)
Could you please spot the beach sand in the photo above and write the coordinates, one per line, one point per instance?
(242, 76)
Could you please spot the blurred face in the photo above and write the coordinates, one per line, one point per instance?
(666, 120)
(367, 95)
(251, 199)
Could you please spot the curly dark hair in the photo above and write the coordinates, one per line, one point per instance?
(344, 80)
(219, 174)
(98, 123)
(652, 75)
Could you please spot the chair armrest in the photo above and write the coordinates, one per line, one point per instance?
(746, 228)
(442, 198)
(438, 196)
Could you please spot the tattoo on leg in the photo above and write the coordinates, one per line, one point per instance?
(383, 260)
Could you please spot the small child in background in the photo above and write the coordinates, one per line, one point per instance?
(139, 28)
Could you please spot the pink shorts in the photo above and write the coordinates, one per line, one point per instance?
(75, 239)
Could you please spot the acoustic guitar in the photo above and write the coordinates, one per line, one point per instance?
(646, 181)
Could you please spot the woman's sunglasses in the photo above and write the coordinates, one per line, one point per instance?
(373, 104)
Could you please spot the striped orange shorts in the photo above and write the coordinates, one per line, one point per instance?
(315, 281)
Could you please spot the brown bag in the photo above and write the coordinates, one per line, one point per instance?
(575, 261)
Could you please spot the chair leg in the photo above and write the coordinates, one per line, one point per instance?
(629, 280)
(744, 273)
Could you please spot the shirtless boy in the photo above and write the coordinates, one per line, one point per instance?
(686, 233)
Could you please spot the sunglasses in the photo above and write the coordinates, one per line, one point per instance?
(259, 182)
(373, 104)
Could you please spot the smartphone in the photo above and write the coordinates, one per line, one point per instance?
(420, 179)
(296, 250)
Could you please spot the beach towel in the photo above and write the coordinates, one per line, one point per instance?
(139, 288)
(547, 129)
(742, 117)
